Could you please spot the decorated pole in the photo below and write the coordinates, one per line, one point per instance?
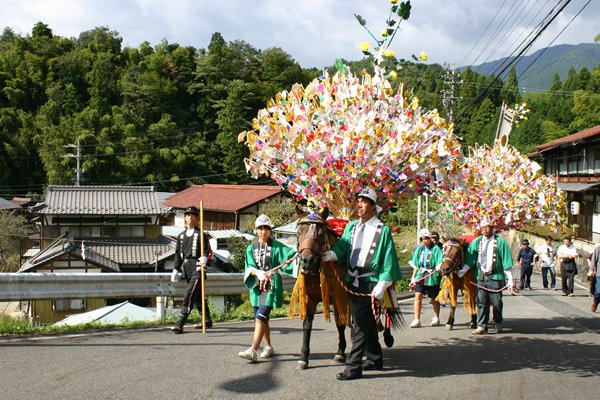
(202, 269)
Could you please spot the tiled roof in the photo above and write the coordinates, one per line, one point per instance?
(7, 204)
(585, 134)
(102, 200)
(228, 198)
(131, 251)
(110, 254)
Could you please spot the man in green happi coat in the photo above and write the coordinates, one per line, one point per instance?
(367, 250)
(491, 256)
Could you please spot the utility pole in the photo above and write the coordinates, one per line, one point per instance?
(78, 157)
(449, 96)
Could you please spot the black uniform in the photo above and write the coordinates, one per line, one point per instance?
(187, 253)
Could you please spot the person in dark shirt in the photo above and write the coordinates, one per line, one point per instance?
(526, 258)
(188, 263)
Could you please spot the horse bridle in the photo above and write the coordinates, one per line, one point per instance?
(459, 261)
(312, 241)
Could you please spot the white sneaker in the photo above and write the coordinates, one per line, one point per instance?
(267, 352)
(435, 321)
(415, 324)
(249, 354)
(479, 331)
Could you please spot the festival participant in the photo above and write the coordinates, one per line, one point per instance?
(567, 253)
(547, 254)
(594, 277)
(188, 262)
(425, 279)
(435, 238)
(525, 259)
(490, 255)
(367, 250)
(266, 289)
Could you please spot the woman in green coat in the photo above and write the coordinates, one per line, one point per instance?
(266, 290)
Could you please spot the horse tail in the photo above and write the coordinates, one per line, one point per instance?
(469, 292)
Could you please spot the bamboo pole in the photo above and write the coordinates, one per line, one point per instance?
(202, 267)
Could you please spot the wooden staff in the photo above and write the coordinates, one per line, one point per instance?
(202, 266)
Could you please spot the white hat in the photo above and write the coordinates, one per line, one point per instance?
(263, 220)
(368, 193)
(424, 233)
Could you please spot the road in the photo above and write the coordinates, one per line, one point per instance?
(550, 349)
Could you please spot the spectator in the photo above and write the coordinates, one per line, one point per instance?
(435, 238)
(547, 254)
(567, 253)
(594, 277)
(526, 257)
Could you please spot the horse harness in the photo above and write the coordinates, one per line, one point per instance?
(456, 262)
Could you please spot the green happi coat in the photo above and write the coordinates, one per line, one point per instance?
(385, 260)
(433, 260)
(272, 298)
(504, 259)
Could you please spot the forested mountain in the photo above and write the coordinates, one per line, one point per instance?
(537, 70)
(169, 115)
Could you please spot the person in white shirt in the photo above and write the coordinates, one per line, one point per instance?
(547, 254)
(567, 253)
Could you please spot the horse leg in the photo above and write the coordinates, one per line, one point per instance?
(340, 355)
(473, 323)
(450, 322)
(305, 351)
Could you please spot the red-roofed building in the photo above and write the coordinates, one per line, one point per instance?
(575, 162)
(225, 206)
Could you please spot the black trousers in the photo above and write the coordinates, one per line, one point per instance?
(191, 299)
(526, 271)
(365, 338)
(568, 278)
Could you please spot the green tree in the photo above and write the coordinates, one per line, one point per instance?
(14, 228)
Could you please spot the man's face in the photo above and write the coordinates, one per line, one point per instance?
(488, 230)
(191, 220)
(567, 242)
(365, 208)
(548, 242)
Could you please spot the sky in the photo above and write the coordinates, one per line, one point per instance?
(316, 32)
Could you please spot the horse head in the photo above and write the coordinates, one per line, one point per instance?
(312, 237)
(453, 256)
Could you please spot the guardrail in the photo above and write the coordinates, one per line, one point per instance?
(41, 286)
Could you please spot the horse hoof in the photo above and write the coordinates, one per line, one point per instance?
(473, 325)
(340, 358)
(302, 364)
(448, 327)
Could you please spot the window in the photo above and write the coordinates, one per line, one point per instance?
(68, 304)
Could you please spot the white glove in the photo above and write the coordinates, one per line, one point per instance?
(329, 256)
(260, 274)
(379, 289)
(413, 280)
(438, 267)
(461, 272)
(202, 261)
(509, 278)
(175, 276)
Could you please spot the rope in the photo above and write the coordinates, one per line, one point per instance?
(511, 290)
(264, 284)
(375, 304)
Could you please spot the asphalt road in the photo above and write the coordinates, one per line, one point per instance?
(550, 349)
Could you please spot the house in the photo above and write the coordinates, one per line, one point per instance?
(8, 205)
(574, 161)
(224, 206)
(98, 229)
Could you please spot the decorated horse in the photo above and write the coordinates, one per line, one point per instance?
(320, 282)
(455, 279)
(316, 284)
